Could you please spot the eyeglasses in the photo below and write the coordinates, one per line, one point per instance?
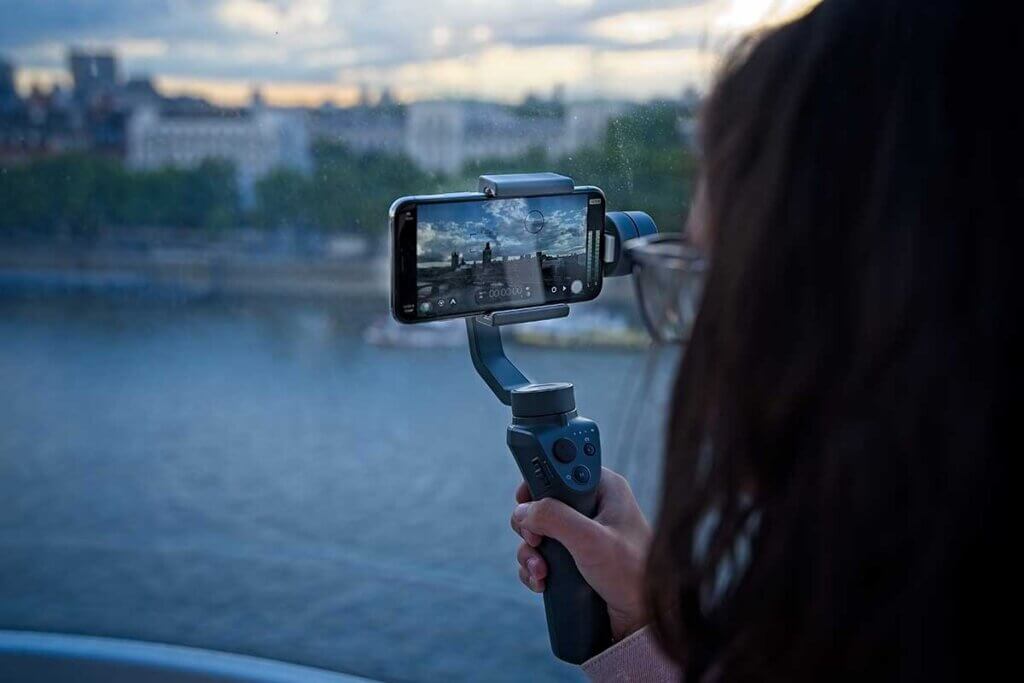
(669, 275)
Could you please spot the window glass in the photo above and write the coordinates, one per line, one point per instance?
(213, 432)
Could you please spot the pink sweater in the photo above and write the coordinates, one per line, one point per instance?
(636, 658)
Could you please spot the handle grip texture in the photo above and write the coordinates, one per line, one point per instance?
(577, 616)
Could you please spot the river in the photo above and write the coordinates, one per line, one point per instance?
(254, 478)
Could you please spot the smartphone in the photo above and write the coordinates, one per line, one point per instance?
(456, 255)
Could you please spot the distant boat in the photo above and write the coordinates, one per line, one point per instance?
(593, 329)
(385, 331)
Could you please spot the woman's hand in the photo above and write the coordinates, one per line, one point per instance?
(610, 550)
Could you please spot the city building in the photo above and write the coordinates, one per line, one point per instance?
(689, 107)
(255, 139)
(94, 74)
(362, 129)
(444, 136)
(49, 122)
(133, 120)
(8, 92)
(137, 92)
(586, 124)
(42, 124)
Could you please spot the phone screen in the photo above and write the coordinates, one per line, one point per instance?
(492, 254)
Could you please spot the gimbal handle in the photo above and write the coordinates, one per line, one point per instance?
(558, 454)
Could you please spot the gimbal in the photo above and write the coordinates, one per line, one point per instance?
(557, 451)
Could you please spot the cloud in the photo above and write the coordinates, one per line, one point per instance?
(498, 72)
(267, 18)
(467, 227)
(490, 48)
(644, 27)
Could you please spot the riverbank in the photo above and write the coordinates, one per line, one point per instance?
(190, 270)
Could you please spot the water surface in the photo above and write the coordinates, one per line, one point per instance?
(256, 479)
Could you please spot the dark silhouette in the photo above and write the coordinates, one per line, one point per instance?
(836, 468)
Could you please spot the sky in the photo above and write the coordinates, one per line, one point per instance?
(305, 52)
(466, 227)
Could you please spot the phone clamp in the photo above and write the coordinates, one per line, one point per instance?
(524, 184)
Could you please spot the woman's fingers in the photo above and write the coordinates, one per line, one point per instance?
(584, 538)
(531, 560)
(532, 568)
(536, 585)
(527, 535)
(523, 493)
(523, 496)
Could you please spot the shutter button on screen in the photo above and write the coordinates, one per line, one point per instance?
(565, 450)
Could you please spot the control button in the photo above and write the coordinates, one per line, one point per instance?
(580, 474)
(540, 474)
(577, 286)
(534, 222)
(565, 450)
(589, 448)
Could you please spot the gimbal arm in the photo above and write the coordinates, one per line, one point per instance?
(557, 451)
(488, 353)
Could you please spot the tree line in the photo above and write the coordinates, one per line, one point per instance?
(641, 164)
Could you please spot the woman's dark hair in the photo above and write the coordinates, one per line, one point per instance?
(834, 470)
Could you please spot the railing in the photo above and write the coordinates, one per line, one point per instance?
(57, 657)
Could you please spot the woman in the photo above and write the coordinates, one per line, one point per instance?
(834, 466)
